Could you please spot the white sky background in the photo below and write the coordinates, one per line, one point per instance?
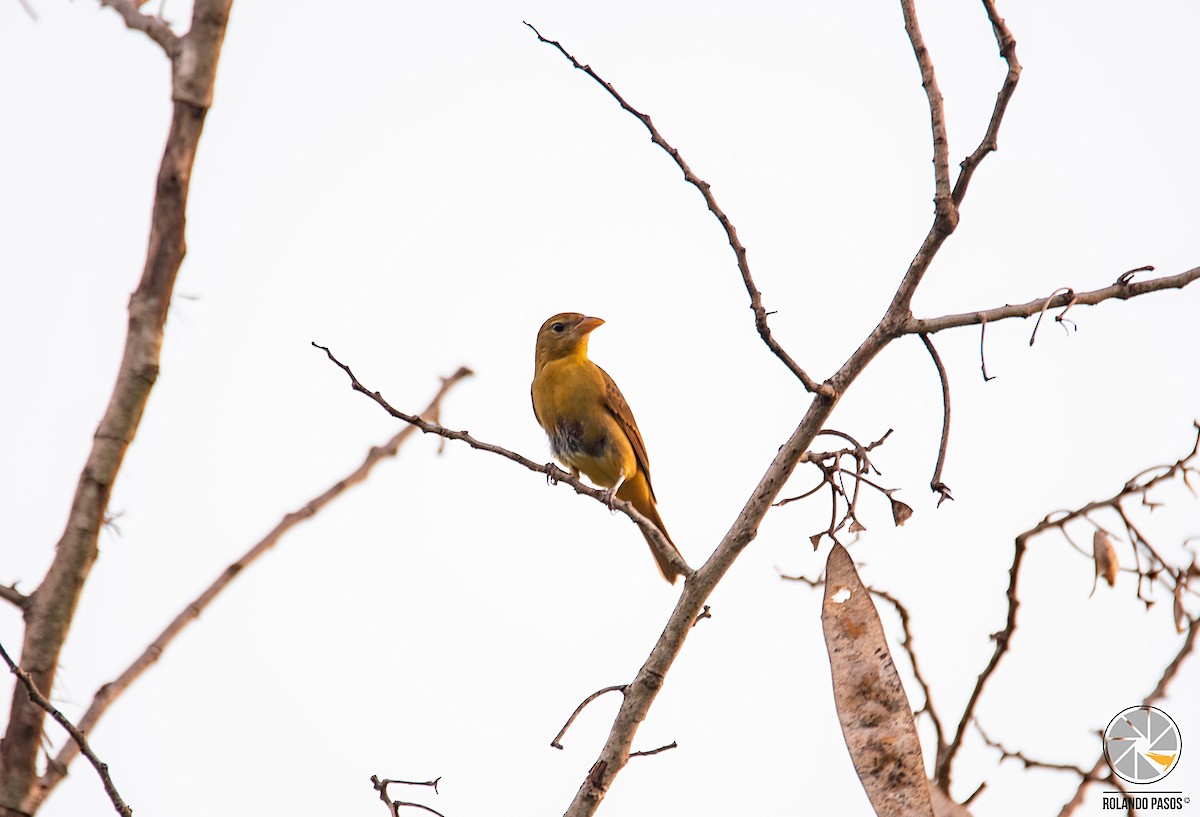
(418, 186)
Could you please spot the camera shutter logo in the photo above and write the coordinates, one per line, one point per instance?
(1142, 744)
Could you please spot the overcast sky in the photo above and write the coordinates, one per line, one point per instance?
(418, 186)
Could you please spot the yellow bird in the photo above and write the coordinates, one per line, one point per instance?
(590, 426)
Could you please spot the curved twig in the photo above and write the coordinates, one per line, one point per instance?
(935, 482)
(557, 738)
(756, 304)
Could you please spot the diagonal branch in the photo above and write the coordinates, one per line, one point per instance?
(1008, 50)
(756, 304)
(152, 27)
(1003, 639)
(1158, 693)
(13, 596)
(945, 207)
(553, 473)
(1121, 290)
(107, 695)
(48, 617)
(77, 735)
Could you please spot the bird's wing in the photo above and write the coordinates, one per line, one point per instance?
(615, 402)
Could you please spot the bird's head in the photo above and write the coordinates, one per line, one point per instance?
(564, 335)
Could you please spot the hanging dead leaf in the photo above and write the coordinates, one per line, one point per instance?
(857, 527)
(874, 711)
(816, 540)
(1104, 555)
(900, 512)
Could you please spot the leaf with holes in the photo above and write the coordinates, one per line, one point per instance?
(876, 716)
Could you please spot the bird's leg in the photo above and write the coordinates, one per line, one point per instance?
(610, 494)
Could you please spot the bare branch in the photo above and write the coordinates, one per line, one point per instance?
(49, 615)
(648, 752)
(76, 735)
(557, 738)
(982, 357)
(1003, 639)
(554, 474)
(1158, 693)
(1122, 290)
(394, 806)
(152, 27)
(110, 692)
(11, 594)
(907, 643)
(756, 304)
(1008, 50)
(935, 483)
(945, 207)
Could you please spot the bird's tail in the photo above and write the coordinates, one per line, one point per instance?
(637, 492)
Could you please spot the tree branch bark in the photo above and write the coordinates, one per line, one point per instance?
(52, 607)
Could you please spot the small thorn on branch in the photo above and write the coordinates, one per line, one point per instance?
(705, 613)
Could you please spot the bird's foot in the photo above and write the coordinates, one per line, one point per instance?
(553, 472)
(610, 497)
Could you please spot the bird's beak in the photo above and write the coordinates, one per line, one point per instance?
(588, 324)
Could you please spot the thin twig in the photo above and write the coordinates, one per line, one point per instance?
(394, 806)
(1158, 693)
(935, 483)
(648, 752)
(11, 594)
(1003, 639)
(76, 735)
(982, 356)
(554, 474)
(756, 304)
(152, 27)
(1119, 291)
(1008, 50)
(907, 644)
(618, 688)
(109, 693)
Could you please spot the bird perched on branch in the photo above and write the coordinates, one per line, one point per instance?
(590, 426)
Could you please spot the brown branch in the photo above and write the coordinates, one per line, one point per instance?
(1160, 690)
(76, 735)
(554, 474)
(756, 304)
(1003, 639)
(110, 692)
(557, 738)
(1033, 763)
(48, 618)
(935, 483)
(907, 644)
(152, 27)
(945, 207)
(1008, 50)
(1119, 291)
(12, 595)
(394, 806)
(648, 752)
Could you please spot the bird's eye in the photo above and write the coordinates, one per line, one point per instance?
(558, 327)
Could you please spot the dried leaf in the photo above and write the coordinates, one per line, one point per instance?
(875, 714)
(816, 540)
(900, 512)
(1105, 557)
(857, 527)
